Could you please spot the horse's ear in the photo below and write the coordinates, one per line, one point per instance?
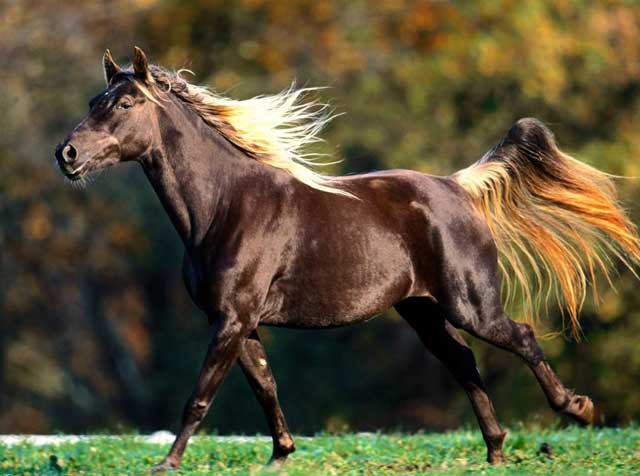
(110, 67)
(141, 65)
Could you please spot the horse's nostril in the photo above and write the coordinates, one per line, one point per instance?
(69, 153)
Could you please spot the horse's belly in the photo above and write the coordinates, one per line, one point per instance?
(318, 304)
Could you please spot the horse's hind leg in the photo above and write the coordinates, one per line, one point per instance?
(446, 344)
(519, 339)
(473, 304)
(253, 362)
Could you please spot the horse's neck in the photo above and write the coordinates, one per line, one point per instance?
(194, 174)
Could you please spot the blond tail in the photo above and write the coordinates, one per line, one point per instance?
(556, 221)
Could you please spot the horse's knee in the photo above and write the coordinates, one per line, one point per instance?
(195, 409)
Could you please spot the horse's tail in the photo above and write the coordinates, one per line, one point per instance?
(555, 220)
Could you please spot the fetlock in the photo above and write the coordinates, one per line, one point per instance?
(282, 448)
(494, 447)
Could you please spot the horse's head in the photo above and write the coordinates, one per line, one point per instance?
(120, 123)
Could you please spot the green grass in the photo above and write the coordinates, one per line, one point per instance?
(575, 452)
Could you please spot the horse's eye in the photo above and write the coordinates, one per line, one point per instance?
(124, 105)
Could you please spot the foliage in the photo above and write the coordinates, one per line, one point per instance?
(96, 330)
(573, 452)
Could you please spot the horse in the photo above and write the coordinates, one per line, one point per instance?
(270, 242)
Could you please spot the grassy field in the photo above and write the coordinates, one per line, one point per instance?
(575, 451)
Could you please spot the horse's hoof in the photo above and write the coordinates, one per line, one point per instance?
(494, 447)
(281, 452)
(583, 410)
(163, 467)
(496, 458)
(276, 462)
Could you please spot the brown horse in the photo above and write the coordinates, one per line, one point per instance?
(269, 242)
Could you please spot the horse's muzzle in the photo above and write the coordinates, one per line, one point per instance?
(66, 153)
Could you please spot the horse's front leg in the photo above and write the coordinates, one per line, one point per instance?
(253, 362)
(222, 353)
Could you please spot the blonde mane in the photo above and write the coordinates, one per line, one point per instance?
(275, 130)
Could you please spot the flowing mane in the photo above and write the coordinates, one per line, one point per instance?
(275, 130)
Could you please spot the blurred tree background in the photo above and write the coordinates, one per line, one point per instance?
(96, 330)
